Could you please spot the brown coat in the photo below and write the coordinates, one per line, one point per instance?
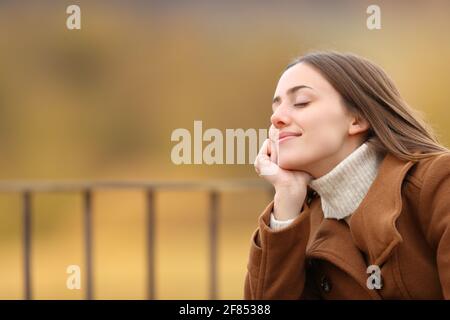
(402, 226)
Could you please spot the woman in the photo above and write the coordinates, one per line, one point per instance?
(362, 190)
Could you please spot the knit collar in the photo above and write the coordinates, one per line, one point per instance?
(344, 187)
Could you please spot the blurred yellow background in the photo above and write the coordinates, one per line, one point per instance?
(101, 103)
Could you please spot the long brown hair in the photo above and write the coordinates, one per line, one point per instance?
(368, 92)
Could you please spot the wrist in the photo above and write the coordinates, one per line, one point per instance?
(287, 206)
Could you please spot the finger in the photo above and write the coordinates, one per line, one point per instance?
(265, 148)
(264, 166)
(262, 156)
(274, 153)
(273, 133)
(267, 167)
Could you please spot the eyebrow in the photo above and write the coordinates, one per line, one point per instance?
(291, 91)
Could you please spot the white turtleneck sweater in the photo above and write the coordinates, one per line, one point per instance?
(344, 187)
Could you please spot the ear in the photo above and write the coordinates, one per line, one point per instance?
(358, 125)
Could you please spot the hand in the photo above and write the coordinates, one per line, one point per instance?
(290, 185)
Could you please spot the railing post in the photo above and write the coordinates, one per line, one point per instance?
(150, 244)
(26, 203)
(213, 236)
(87, 196)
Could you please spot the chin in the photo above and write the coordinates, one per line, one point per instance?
(290, 164)
(293, 161)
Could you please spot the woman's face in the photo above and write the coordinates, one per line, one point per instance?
(306, 105)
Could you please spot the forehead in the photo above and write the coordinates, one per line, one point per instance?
(301, 74)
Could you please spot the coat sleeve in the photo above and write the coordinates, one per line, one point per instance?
(275, 268)
(435, 201)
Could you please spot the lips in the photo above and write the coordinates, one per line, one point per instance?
(288, 135)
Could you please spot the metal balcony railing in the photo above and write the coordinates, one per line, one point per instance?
(86, 189)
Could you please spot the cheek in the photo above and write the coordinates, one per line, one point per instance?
(323, 136)
(327, 127)
(326, 137)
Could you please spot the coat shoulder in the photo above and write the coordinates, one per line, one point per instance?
(433, 166)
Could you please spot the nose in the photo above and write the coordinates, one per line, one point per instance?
(280, 118)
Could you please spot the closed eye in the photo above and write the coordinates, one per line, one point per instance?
(303, 104)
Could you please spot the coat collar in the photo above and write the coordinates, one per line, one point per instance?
(372, 225)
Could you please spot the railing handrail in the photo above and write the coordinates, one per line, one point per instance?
(74, 185)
